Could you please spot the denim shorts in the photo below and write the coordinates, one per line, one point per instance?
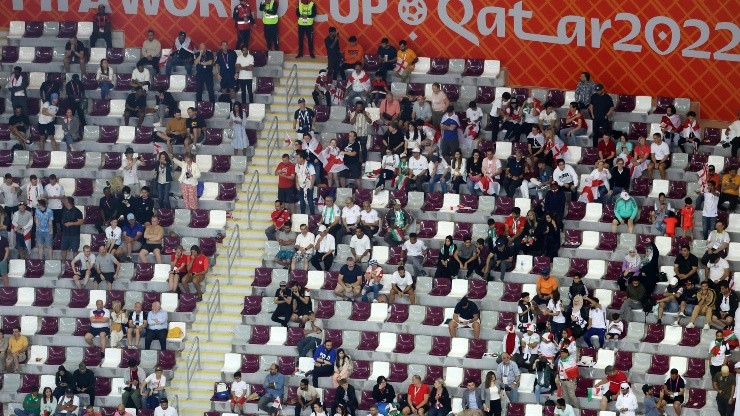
(43, 238)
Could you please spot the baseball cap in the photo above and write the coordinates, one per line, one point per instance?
(130, 217)
(416, 150)
(373, 262)
(68, 390)
(301, 100)
(181, 34)
(54, 96)
(599, 87)
(322, 228)
(625, 195)
(129, 150)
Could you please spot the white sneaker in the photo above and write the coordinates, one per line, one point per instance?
(675, 323)
(157, 124)
(690, 325)
(706, 326)
(681, 315)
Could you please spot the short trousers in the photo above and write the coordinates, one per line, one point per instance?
(3, 268)
(670, 399)
(151, 247)
(46, 129)
(285, 255)
(44, 238)
(304, 256)
(97, 331)
(108, 277)
(70, 242)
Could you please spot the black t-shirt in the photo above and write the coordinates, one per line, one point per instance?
(305, 120)
(226, 63)
(135, 101)
(685, 264)
(466, 313)
(3, 246)
(394, 140)
(133, 315)
(389, 51)
(21, 121)
(602, 104)
(675, 385)
(195, 123)
(49, 87)
(503, 255)
(109, 206)
(352, 160)
(516, 168)
(143, 209)
(205, 69)
(350, 276)
(71, 215)
(79, 48)
(689, 295)
(287, 294)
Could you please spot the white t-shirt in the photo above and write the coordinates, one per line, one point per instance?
(360, 244)
(548, 119)
(711, 203)
(327, 243)
(498, 104)
(130, 176)
(239, 388)
(414, 249)
(305, 241)
(75, 402)
(369, 217)
(418, 166)
(54, 190)
(106, 314)
(114, 234)
(660, 150)
(598, 318)
(557, 307)
(717, 239)
(152, 382)
(51, 109)
(80, 257)
(615, 327)
(351, 214)
(717, 270)
(245, 61)
(142, 76)
(402, 282)
(474, 116)
(169, 411)
(567, 175)
(529, 116)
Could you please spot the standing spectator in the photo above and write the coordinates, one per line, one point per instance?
(163, 179)
(508, 372)
(625, 212)
(673, 392)
(440, 102)
(225, 69)
(719, 353)
(325, 246)
(22, 227)
(626, 401)
(105, 76)
(151, 50)
(137, 324)
(709, 211)
(286, 173)
(84, 381)
(197, 268)
(724, 384)
(614, 379)
(601, 108)
(303, 119)
(188, 180)
(75, 52)
(361, 123)
(44, 220)
(321, 89)
(306, 12)
(133, 378)
(164, 409)
(99, 326)
(244, 21)
(130, 168)
(17, 351)
(72, 221)
(182, 54)
(556, 311)
(418, 397)
(17, 85)
(69, 404)
(387, 54)
(307, 397)
(245, 64)
(270, 16)
(324, 358)
(466, 315)
(204, 60)
(450, 126)
(157, 324)
(46, 122)
(596, 324)
(585, 90)
(333, 53)
(402, 284)
(101, 28)
(660, 157)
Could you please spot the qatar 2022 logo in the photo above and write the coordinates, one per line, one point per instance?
(412, 12)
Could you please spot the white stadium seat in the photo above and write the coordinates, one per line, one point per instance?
(491, 68)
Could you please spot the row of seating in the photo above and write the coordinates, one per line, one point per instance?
(43, 358)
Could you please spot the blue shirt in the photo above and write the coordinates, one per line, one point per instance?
(44, 219)
(450, 134)
(323, 354)
(132, 230)
(157, 320)
(279, 381)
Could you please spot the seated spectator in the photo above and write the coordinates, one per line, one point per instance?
(99, 326)
(106, 267)
(349, 220)
(197, 269)
(716, 271)
(19, 124)
(373, 279)
(419, 170)
(660, 156)
(575, 124)
(730, 190)
(324, 358)
(151, 50)
(397, 221)
(619, 181)
(358, 85)
(688, 299)
(132, 234)
(418, 398)
(284, 302)
(669, 301)
(286, 238)
(346, 396)
(143, 206)
(195, 134)
(625, 212)
(706, 299)
(313, 336)
(725, 307)
(349, 284)
(633, 299)
(369, 221)
(566, 178)
(607, 149)
(304, 247)
(48, 403)
(630, 267)
(384, 395)
(514, 173)
(153, 237)
(84, 382)
(447, 266)
(390, 111)
(352, 156)
(175, 133)
(279, 217)
(153, 390)
(467, 257)
(133, 379)
(718, 242)
(157, 325)
(76, 53)
(596, 186)
(70, 129)
(673, 392)
(689, 132)
(301, 304)
(141, 76)
(90, 411)
(325, 246)
(660, 214)
(529, 347)
(135, 106)
(307, 397)
(164, 408)
(189, 178)
(166, 107)
(502, 261)
(118, 321)
(546, 286)
(13, 351)
(178, 270)
(62, 380)
(137, 324)
(614, 379)
(596, 322)
(402, 284)
(466, 315)
(69, 404)
(686, 265)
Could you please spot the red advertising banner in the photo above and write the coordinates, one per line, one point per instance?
(684, 48)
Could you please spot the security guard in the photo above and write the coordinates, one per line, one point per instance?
(244, 21)
(269, 11)
(306, 12)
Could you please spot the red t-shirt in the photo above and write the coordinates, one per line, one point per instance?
(616, 381)
(179, 261)
(285, 169)
(607, 149)
(200, 264)
(521, 222)
(279, 218)
(579, 122)
(416, 394)
(670, 226)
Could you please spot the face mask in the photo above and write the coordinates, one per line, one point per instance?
(126, 195)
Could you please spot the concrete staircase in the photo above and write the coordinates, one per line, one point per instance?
(251, 238)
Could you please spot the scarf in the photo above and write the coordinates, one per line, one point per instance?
(400, 220)
(328, 214)
(510, 343)
(633, 261)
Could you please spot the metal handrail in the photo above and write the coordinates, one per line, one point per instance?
(234, 249)
(213, 304)
(192, 363)
(253, 195)
(291, 89)
(176, 401)
(272, 141)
